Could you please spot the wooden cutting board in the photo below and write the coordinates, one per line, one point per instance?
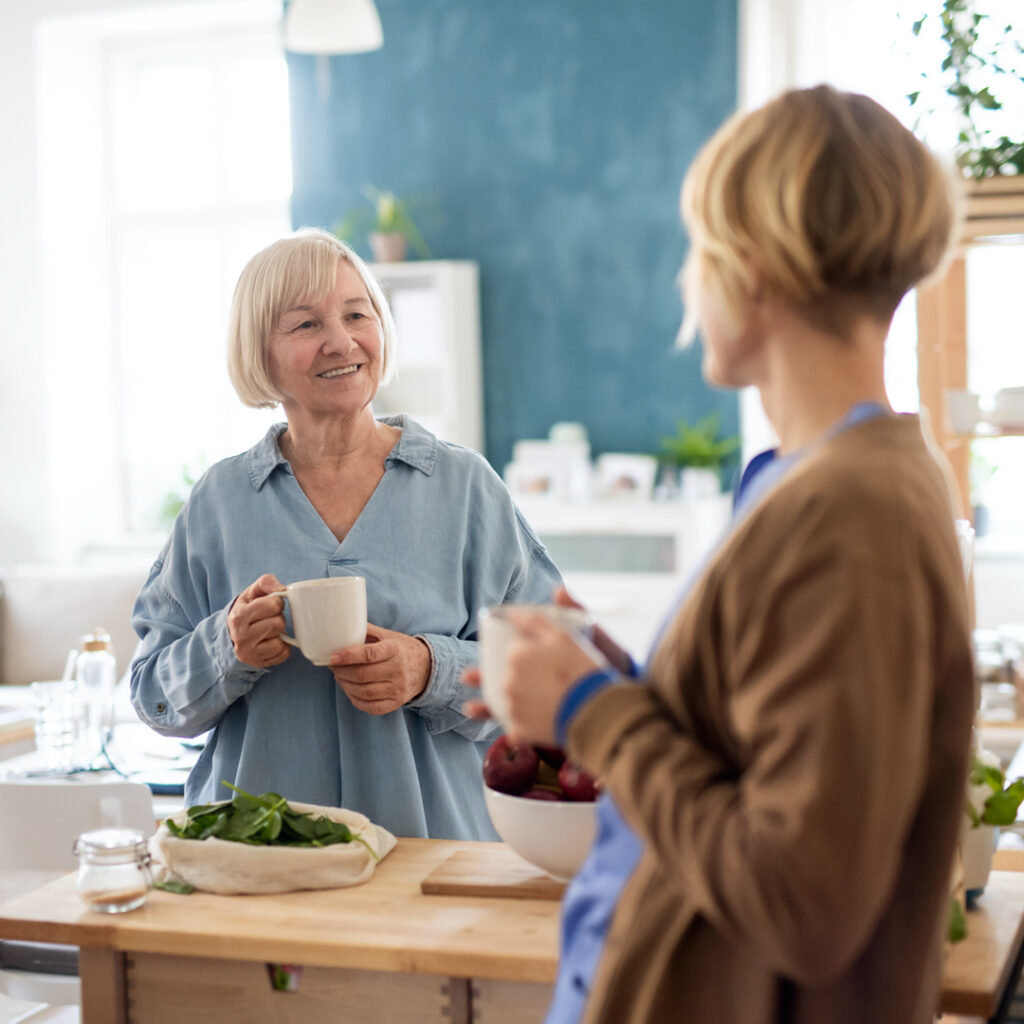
(491, 871)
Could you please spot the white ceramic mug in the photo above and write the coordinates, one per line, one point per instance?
(327, 615)
(963, 410)
(497, 633)
(1008, 408)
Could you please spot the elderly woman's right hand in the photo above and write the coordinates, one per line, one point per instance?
(256, 622)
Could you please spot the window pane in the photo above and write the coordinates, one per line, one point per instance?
(995, 347)
(995, 315)
(901, 358)
(257, 147)
(203, 176)
(165, 134)
(172, 335)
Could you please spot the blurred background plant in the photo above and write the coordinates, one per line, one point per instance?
(384, 214)
(175, 499)
(1002, 798)
(978, 80)
(698, 446)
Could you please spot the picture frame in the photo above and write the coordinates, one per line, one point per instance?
(625, 476)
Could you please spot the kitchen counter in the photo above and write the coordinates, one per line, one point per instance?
(398, 954)
(405, 955)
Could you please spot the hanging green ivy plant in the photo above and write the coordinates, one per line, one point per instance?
(981, 61)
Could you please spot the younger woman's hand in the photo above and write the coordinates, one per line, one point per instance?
(542, 665)
(617, 657)
(474, 708)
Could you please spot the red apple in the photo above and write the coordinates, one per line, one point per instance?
(541, 794)
(553, 756)
(510, 767)
(576, 784)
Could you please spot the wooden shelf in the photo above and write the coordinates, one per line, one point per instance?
(984, 435)
(995, 431)
(994, 212)
(994, 208)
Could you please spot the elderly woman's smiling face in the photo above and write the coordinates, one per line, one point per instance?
(325, 355)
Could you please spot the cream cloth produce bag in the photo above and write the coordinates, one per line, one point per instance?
(221, 866)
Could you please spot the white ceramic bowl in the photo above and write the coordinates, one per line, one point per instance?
(554, 836)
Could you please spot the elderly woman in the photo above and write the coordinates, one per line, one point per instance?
(333, 491)
(784, 782)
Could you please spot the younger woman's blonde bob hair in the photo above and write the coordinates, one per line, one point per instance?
(820, 199)
(302, 266)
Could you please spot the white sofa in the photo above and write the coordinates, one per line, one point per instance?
(45, 610)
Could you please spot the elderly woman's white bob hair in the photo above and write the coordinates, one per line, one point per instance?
(299, 267)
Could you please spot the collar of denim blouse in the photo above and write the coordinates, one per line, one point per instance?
(417, 447)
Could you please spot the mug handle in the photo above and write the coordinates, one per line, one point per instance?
(284, 636)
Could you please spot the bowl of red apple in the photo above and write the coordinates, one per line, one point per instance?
(541, 804)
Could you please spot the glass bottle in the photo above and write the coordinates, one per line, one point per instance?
(113, 869)
(96, 673)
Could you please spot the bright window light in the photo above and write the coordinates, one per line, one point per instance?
(184, 172)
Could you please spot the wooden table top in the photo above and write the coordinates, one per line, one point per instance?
(385, 924)
(388, 924)
(978, 969)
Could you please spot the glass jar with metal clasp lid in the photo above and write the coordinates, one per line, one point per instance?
(113, 869)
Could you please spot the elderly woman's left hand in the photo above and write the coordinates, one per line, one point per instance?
(389, 670)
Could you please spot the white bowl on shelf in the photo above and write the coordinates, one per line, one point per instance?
(553, 835)
(1008, 408)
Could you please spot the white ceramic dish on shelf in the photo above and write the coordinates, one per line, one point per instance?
(1008, 408)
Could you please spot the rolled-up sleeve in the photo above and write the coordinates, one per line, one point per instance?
(185, 673)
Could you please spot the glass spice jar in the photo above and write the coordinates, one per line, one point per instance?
(113, 869)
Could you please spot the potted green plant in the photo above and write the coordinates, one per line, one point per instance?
(389, 227)
(991, 802)
(699, 454)
(979, 65)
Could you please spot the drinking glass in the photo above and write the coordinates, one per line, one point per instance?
(60, 718)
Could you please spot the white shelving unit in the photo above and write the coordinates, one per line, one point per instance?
(625, 560)
(436, 306)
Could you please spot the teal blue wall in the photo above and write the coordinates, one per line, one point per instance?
(545, 139)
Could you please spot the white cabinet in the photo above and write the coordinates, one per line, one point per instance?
(436, 306)
(627, 561)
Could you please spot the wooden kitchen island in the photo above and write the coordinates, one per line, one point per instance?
(383, 949)
(383, 952)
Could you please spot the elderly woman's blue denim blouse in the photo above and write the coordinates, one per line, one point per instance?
(439, 538)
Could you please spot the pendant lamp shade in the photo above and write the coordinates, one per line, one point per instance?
(332, 26)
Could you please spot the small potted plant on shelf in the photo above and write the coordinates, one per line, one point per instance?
(389, 227)
(699, 454)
